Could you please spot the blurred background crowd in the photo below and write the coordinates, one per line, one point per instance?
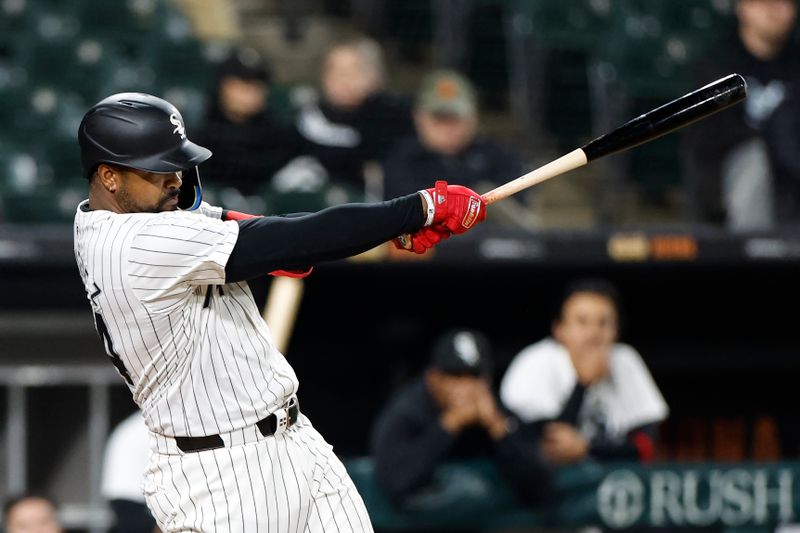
(312, 103)
(345, 96)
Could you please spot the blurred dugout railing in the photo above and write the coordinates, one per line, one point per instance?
(71, 444)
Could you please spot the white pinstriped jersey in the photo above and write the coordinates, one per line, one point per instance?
(193, 349)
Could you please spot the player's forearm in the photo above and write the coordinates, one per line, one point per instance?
(272, 243)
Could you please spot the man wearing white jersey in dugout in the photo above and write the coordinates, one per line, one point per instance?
(166, 277)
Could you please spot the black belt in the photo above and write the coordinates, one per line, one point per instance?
(266, 426)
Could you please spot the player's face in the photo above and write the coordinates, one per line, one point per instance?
(32, 515)
(588, 325)
(139, 191)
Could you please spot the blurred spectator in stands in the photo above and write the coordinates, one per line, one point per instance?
(124, 463)
(731, 158)
(782, 136)
(357, 120)
(448, 143)
(30, 513)
(584, 394)
(252, 144)
(451, 413)
(249, 141)
(213, 20)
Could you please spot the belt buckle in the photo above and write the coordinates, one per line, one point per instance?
(281, 420)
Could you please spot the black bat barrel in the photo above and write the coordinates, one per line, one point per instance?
(689, 108)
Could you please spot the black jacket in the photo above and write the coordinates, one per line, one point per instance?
(706, 143)
(408, 442)
(343, 140)
(412, 167)
(246, 155)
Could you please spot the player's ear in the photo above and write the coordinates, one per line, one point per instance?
(108, 177)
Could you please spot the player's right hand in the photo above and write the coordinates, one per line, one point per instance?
(421, 241)
(457, 208)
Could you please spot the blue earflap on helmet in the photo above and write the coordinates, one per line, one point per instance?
(143, 132)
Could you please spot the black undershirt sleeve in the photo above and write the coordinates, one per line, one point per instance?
(284, 243)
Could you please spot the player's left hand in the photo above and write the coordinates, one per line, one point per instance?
(457, 208)
(421, 241)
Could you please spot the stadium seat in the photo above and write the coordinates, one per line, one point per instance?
(79, 66)
(183, 63)
(652, 44)
(20, 171)
(645, 61)
(578, 24)
(42, 111)
(43, 205)
(190, 100)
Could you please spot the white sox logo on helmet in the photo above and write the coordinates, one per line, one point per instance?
(179, 129)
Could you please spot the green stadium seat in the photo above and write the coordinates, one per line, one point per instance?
(577, 24)
(43, 205)
(652, 44)
(43, 111)
(126, 19)
(28, 189)
(645, 61)
(61, 155)
(131, 25)
(190, 100)
(74, 65)
(182, 63)
(20, 171)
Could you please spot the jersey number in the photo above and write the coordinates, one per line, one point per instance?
(115, 358)
(102, 330)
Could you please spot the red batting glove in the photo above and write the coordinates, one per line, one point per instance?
(236, 215)
(457, 208)
(421, 241)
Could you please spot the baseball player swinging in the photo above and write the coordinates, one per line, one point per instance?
(165, 274)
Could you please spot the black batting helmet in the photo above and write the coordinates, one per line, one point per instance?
(144, 132)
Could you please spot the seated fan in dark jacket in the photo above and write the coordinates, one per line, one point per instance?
(450, 413)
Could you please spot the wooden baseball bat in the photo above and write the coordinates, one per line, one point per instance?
(280, 309)
(696, 105)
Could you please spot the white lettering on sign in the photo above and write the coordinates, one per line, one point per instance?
(732, 497)
(620, 499)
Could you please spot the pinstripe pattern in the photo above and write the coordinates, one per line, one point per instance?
(289, 483)
(199, 360)
(195, 370)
